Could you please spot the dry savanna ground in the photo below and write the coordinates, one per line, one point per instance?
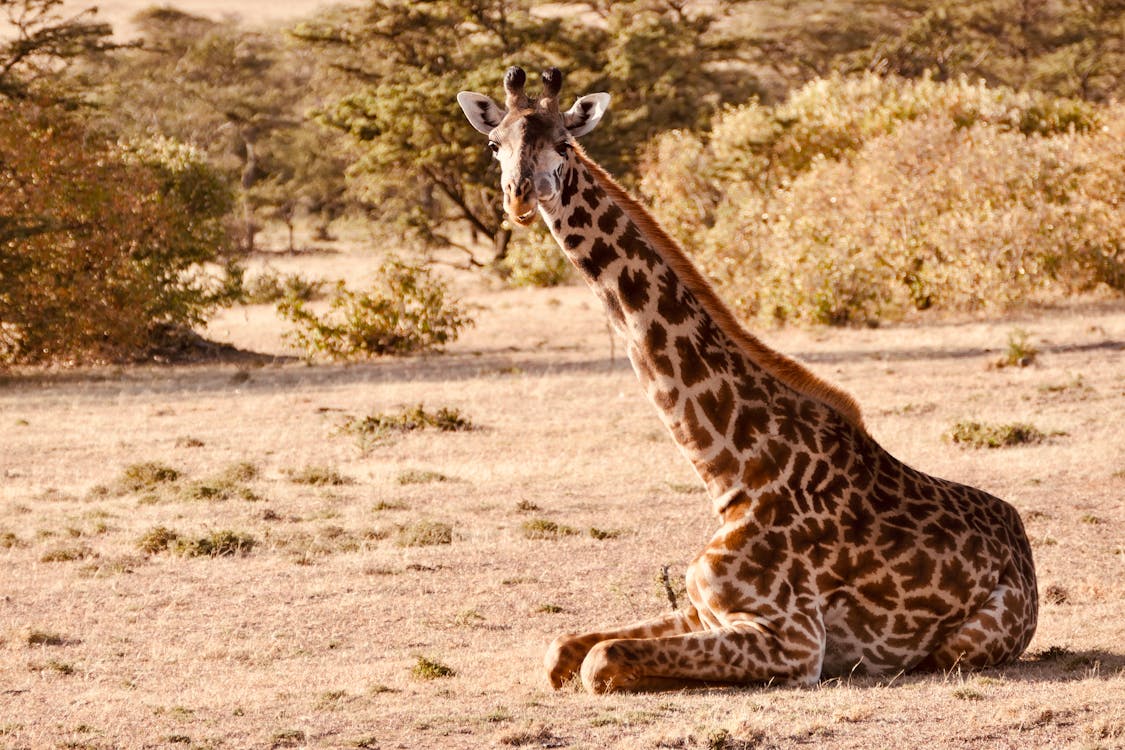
(217, 556)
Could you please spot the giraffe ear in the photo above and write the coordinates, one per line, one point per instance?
(483, 113)
(586, 113)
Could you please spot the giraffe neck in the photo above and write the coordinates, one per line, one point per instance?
(718, 389)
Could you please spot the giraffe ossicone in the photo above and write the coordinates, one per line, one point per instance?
(832, 556)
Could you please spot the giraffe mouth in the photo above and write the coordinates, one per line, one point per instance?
(527, 218)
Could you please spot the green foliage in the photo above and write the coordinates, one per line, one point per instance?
(216, 544)
(424, 169)
(318, 476)
(406, 311)
(146, 475)
(157, 539)
(425, 534)
(978, 435)
(864, 199)
(38, 43)
(270, 287)
(534, 259)
(431, 669)
(1021, 352)
(542, 528)
(102, 246)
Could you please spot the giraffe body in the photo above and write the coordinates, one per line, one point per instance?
(832, 556)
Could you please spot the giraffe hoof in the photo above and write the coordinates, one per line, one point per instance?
(603, 668)
(564, 659)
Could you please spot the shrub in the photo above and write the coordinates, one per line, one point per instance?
(405, 312)
(431, 669)
(217, 544)
(146, 475)
(542, 528)
(534, 259)
(270, 286)
(157, 539)
(102, 245)
(977, 435)
(425, 534)
(318, 476)
(865, 199)
(376, 428)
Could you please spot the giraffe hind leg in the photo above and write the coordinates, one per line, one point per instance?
(996, 633)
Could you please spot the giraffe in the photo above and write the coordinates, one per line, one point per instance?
(832, 556)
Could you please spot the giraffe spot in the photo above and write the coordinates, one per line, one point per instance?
(819, 474)
(692, 434)
(718, 405)
(558, 225)
(673, 306)
(767, 467)
(572, 241)
(607, 223)
(724, 466)
(751, 421)
(570, 186)
(815, 537)
(938, 539)
(774, 510)
(633, 286)
(601, 255)
(580, 217)
(692, 368)
(858, 522)
(955, 577)
(666, 399)
(881, 593)
(712, 344)
(593, 196)
(917, 571)
(635, 247)
(656, 342)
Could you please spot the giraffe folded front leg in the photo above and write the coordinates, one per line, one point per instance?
(731, 655)
(566, 653)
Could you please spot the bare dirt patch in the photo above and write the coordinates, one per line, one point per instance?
(313, 635)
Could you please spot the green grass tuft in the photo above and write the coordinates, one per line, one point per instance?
(318, 476)
(378, 428)
(216, 544)
(978, 435)
(425, 534)
(429, 669)
(147, 475)
(542, 528)
(420, 476)
(157, 539)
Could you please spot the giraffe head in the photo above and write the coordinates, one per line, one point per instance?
(530, 138)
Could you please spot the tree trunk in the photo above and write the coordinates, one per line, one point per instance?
(500, 244)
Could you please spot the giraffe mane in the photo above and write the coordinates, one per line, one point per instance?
(784, 368)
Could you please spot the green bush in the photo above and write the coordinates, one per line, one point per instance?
(860, 200)
(103, 246)
(534, 259)
(406, 311)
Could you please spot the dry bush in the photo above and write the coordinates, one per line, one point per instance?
(103, 246)
(860, 200)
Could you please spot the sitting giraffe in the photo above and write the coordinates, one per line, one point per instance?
(832, 556)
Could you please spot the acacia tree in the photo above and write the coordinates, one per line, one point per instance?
(238, 95)
(37, 43)
(405, 62)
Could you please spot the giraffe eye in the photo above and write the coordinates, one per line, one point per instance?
(493, 146)
(561, 147)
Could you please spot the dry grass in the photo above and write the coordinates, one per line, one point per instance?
(313, 637)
